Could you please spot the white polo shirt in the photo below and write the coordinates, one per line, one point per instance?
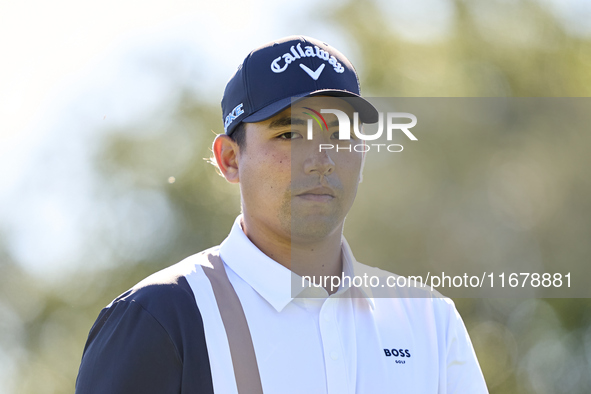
(334, 344)
(224, 321)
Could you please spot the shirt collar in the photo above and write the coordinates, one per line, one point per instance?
(268, 278)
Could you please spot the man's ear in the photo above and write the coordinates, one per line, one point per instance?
(226, 152)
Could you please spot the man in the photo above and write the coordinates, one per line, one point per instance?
(228, 320)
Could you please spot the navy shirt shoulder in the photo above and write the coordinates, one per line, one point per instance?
(150, 339)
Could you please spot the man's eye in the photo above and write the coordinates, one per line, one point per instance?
(290, 136)
(335, 136)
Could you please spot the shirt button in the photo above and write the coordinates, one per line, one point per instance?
(334, 355)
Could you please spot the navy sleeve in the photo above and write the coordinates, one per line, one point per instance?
(128, 351)
(149, 340)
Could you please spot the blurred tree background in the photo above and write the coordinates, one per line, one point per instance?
(158, 201)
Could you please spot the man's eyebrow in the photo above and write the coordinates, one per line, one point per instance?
(334, 123)
(286, 121)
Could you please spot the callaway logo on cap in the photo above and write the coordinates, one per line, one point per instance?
(295, 66)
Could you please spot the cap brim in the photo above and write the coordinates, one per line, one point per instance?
(367, 112)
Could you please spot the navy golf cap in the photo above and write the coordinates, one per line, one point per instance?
(295, 66)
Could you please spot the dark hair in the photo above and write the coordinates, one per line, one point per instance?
(239, 137)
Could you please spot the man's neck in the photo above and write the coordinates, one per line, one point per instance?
(316, 259)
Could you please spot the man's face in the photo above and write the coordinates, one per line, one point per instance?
(288, 186)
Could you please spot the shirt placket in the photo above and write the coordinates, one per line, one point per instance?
(337, 378)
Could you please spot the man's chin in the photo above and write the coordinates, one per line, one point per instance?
(313, 228)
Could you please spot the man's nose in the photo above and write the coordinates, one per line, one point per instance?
(319, 162)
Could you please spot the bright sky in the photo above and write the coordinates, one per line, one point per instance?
(50, 47)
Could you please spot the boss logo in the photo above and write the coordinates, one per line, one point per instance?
(397, 353)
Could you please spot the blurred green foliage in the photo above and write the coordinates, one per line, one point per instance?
(495, 48)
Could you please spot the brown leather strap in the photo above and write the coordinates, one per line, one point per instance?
(246, 369)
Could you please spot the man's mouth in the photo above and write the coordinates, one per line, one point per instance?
(318, 194)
